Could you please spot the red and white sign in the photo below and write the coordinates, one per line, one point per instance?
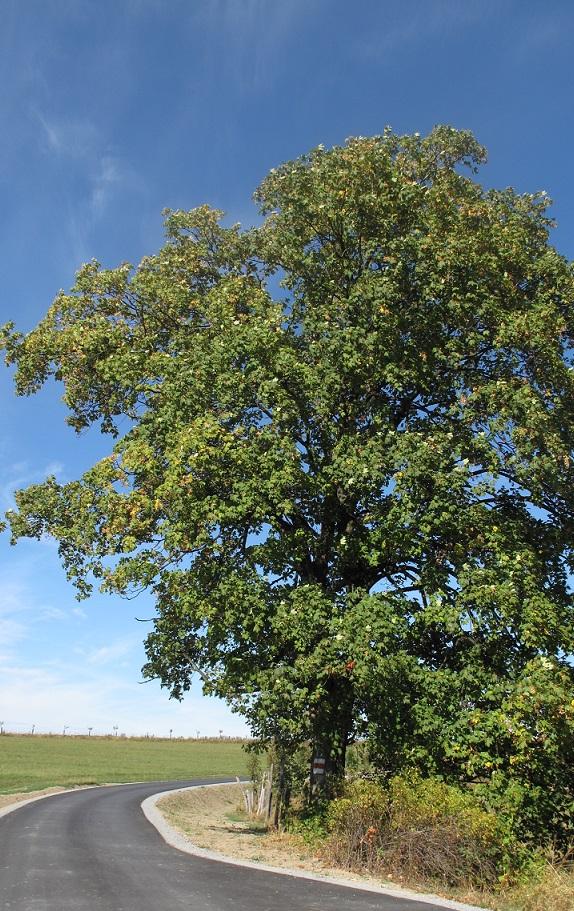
(318, 766)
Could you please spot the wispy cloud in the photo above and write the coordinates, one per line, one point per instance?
(252, 34)
(54, 613)
(112, 653)
(108, 176)
(80, 143)
(69, 138)
(11, 632)
(14, 604)
(11, 595)
(24, 610)
(29, 695)
(401, 25)
(543, 29)
(50, 698)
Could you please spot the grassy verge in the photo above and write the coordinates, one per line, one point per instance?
(551, 890)
(33, 763)
(8, 799)
(212, 818)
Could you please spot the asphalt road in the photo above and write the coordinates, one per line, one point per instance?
(93, 850)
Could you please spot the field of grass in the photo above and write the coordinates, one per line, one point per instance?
(30, 763)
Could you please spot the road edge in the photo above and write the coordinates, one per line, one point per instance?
(177, 840)
(10, 807)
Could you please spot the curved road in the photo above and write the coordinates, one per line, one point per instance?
(93, 850)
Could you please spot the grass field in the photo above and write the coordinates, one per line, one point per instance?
(29, 763)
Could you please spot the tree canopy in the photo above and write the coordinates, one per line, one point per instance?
(341, 456)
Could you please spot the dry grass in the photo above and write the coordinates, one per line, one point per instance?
(7, 799)
(554, 891)
(213, 818)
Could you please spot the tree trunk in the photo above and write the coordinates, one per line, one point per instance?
(332, 729)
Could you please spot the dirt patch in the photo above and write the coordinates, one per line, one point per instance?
(7, 799)
(212, 818)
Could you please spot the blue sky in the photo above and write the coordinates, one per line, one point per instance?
(112, 111)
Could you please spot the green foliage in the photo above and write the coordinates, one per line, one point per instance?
(513, 737)
(310, 823)
(359, 762)
(532, 782)
(341, 458)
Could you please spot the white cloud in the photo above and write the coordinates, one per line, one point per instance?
(50, 698)
(69, 138)
(107, 177)
(540, 32)
(11, 596)
(80, 143)
(53, 613)
(45, 698)
(23, 608)
(110, 654)
(13, 623)
(11, 632)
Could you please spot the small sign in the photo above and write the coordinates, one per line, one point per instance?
(318, 766)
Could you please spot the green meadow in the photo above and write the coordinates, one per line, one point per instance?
(33, 762)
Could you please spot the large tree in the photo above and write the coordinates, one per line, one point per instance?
(343, 444)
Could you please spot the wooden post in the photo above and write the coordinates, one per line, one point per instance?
(270, 799)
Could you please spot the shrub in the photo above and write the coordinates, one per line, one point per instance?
(310, 823)
(437, 831)
(417, 829)
(356, 822)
